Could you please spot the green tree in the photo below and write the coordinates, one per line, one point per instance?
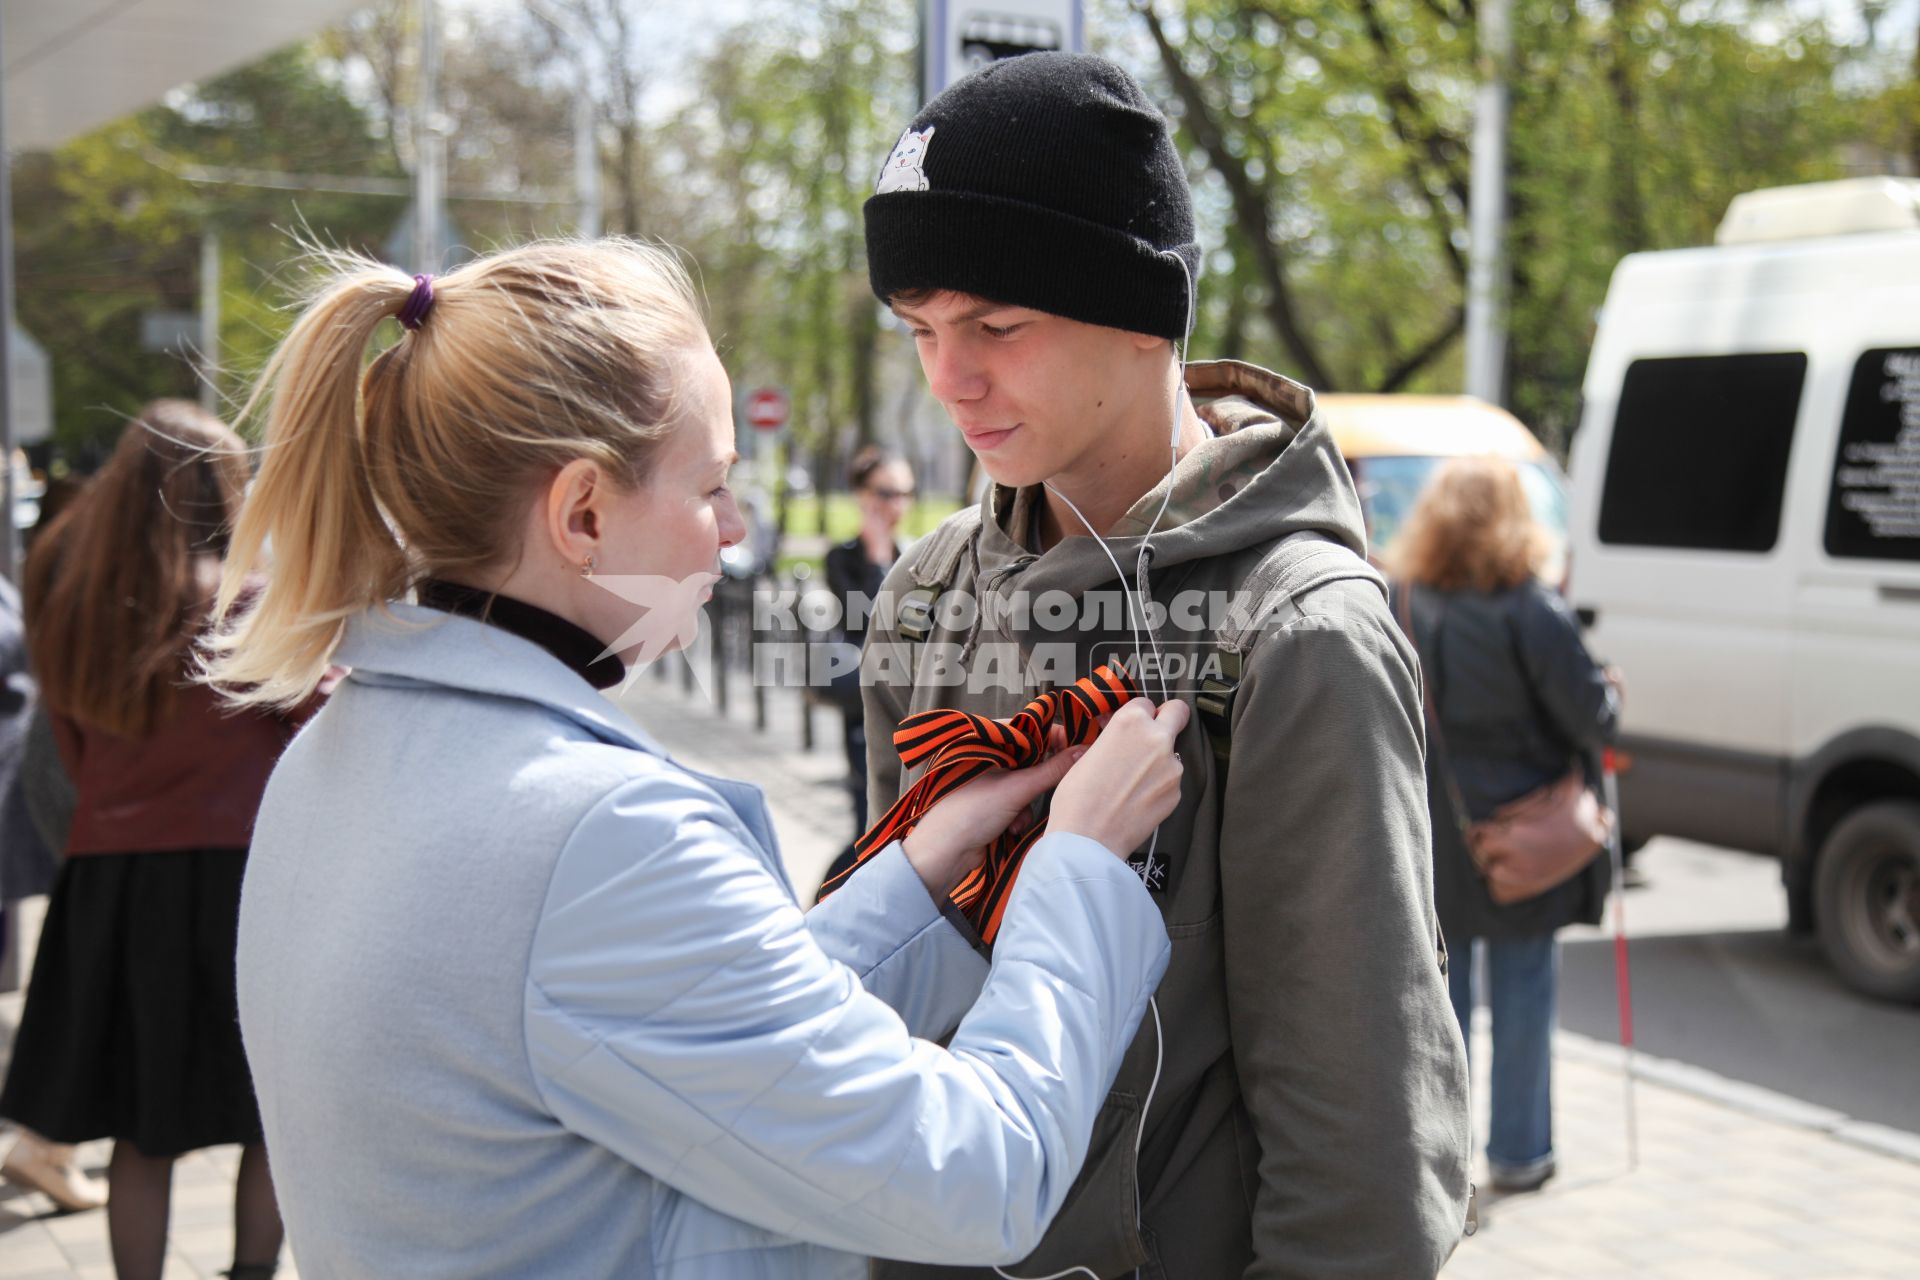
(1337, 132)
(1634, 130)
(790, 116)
(108, 228)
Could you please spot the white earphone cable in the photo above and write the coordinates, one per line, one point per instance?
(1139, 621)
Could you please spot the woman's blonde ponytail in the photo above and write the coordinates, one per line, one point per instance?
(312, 503)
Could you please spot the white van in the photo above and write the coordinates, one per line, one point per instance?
(1746, 547)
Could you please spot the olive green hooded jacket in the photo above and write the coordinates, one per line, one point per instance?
(1310, 1114)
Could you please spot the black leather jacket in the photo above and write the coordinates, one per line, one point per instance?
(1520, 700)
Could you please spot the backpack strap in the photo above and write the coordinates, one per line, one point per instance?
(1298, 563)
(935, 558)
(1293, 566)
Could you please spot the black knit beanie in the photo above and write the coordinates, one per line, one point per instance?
(1046, 181)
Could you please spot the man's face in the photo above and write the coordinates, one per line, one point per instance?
(1036, 395)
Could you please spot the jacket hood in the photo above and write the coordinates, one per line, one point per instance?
(1270, 470)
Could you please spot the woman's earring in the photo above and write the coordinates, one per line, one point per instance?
(586, 570)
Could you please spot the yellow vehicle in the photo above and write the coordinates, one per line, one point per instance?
(1394, 443)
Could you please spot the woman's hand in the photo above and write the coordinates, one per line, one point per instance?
(951, 839)
(1115, 791)
(1128, 781)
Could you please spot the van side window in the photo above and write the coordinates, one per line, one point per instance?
(1873, 510)
(1699, 452)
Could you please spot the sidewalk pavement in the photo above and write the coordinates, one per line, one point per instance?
(1731, 1182)
(1720, 1192)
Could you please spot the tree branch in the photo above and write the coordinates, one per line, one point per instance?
(1629, 213)
(1250, 205)
(1412, 123)
(1401, 373)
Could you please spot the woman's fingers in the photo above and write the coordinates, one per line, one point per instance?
(1129, 780)
(1130, 783)
(1172, 716)
(1031, 783)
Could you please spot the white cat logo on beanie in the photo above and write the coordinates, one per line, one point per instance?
(903, 170)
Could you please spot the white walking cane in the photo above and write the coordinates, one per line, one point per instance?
(1622, 978)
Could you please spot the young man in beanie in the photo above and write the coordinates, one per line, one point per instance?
(1305, 1093)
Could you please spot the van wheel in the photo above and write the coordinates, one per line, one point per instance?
(1868, 899)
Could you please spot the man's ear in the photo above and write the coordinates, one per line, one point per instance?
(1147, 341)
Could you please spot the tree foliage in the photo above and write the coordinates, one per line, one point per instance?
(109, 227)
(1328, 141)
(1342, 128)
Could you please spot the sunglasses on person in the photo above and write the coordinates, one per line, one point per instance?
(890, 495)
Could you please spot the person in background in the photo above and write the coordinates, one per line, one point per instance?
(1518, 699)
(882, 482)
(42, 788)
(131, 1030)
(523, 996)
(26, 871)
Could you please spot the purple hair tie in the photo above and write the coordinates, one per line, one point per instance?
(414, 313)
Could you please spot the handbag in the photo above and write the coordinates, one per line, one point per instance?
(1531, 844)
(1541, 840)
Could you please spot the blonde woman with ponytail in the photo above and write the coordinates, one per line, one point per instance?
(524, 997)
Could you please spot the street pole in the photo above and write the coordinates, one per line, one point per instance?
(586, 154)
(717, 624)
(9, 546)
(1487, 209)
(1622, 973)
(430, 147)
(210, 321)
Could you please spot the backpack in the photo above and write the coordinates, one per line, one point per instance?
(1296, 564)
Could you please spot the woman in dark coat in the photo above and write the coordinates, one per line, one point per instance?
(1519, 702)
(883, 484)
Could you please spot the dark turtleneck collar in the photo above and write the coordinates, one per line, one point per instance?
(573, 645)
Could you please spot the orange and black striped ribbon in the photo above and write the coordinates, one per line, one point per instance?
(961, 747)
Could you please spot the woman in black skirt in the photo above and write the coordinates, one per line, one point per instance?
(883, 483)
(130, 1030)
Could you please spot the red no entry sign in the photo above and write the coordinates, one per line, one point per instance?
(767, 408)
